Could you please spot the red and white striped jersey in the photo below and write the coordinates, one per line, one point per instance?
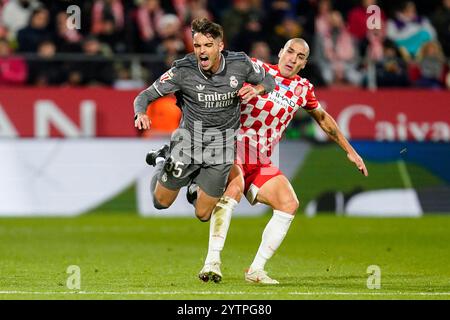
(264, 118)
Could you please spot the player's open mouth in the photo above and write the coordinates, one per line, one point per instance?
(204, 62)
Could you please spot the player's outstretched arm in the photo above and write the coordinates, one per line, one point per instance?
(329, 125)
(165, 84)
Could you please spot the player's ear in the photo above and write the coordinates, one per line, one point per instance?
(304, 65)
(221, 46)
(280, 53)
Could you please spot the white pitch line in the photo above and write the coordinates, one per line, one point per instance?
(224, 293)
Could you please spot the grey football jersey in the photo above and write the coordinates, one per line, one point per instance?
(210, 104)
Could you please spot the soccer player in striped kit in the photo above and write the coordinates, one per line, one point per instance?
(263, 121)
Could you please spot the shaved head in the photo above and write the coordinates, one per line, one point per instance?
(293, 57)
(299, 41)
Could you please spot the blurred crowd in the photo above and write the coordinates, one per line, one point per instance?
(410, 47)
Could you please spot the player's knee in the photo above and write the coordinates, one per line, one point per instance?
(290, 205)
(203, 215)
(234, 191)
(160, 203)
(203, 212)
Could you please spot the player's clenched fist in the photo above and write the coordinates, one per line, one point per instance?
(247, 93)
(141, 121)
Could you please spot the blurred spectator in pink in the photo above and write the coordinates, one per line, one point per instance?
(104, 11)
(108, 23)
(409, 30)
(68, 40)
(441, 21)
(260, 50)
(36, 32)
(357, 19)
(3, 32)
(336, 54)
(357, 26)
(13, 70)
(322, 23)
(430, 61)
(181, 7)
(147, 17)
(15, 15)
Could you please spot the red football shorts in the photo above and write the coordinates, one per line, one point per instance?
(256, 172)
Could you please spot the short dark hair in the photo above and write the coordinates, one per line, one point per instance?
(206, 27)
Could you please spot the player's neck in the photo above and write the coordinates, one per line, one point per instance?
(217, 68)
(219, 65)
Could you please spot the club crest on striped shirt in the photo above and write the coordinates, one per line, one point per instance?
(298, 90)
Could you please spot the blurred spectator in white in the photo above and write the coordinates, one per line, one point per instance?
(441, 21)
(409, 30)
(169, 31)
(16, 15)
(336, 54)
(36, 32)
(147, 18)
(431, 64)
(68, 40)
(261, 51)
(391, 69)
(45, 70)
(169, 25)
(13, 69)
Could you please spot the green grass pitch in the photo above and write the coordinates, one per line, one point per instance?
(127, 257)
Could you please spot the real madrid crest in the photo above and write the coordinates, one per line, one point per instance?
(233, 82)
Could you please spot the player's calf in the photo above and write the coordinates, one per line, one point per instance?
(204, 205)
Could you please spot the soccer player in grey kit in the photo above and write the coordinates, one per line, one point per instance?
(208, 85)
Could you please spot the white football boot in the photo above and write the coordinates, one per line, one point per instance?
(259, 276)
(211, 272)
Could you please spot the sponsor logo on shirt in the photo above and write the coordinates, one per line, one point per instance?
(217, 100)
(166, 76)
